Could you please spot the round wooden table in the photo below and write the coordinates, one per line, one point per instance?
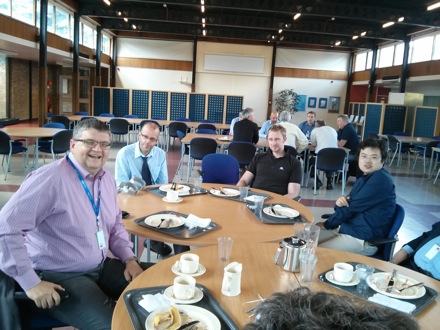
(233, 218)
(261, 276)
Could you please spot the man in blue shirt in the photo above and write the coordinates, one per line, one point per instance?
(349, 139)
(268, 123)
(130, 162)
(309, 125)
(368, 211)
(422, 254)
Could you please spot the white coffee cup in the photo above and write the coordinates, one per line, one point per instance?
(172, 195)
(184, 287)
(188, 263)
(343, 272)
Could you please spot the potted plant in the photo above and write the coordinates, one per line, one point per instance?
(287, 100)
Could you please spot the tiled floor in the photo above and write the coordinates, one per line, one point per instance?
(419, 197)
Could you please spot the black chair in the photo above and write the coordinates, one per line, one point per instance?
(220, 168)
(386, 245)
(9, 147)
(206, 126)
(199, 148)
(61, 119)
(173, 127)
(185, 151)
(120, 126)
(393, 146)
(291, 151)
(60, 144)
(330, 160)
(243, 152)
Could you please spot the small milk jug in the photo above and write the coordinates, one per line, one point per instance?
(232, 279)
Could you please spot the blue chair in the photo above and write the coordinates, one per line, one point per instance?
(207, 121)
(220, 168)
(105, 114)
(131, 116)
(206, 131)
(8, 147)
(393, 146)
(426, 152)
(183, 119)
(386, 245)
(82, 113)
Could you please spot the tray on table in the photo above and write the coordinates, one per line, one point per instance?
(267, 219)
(192, 191)
(237, 198)
(179, 232)
(420, 303)
(138, 314)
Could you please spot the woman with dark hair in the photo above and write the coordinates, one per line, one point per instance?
(368, 211)
(304, 309)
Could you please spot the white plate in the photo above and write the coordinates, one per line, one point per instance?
(179, 199)
(227, 192)
(198, 295)
(210, 321)
(200, 271)
(225, 138)
(329, 276)
(181, 188)
(379, 283)
(283, 212)
(155, 219)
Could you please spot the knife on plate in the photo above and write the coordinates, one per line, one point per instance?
(391, 281)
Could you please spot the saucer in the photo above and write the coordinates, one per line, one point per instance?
(329, 277)
(179, 199)
(200, 271)
(198, 295)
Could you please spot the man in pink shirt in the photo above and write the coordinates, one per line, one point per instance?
(57, 230)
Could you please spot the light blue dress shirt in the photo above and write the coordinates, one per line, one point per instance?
(265, 128)
(129, 163)
(429, 265)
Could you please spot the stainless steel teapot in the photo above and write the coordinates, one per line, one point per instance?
(287, 255)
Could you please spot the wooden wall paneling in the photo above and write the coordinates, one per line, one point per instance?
(15, 28)
(311, 74)
(424, 68)
(146, 63)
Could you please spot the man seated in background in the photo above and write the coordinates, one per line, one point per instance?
(304, 309)
(322, 137)
(273, 119)
(56, 234)
(349, 139)
(145, 160)
(308, 126)
(368, 211)
(422, 254)
(294, 136)
(246, 130)
(275, 170)
(234, 121)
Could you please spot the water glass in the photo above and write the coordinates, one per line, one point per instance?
(362, 273)
(307, 263)
(198, 183)
(243, 192)
(309, 233)
(224, 248)
(258, 203)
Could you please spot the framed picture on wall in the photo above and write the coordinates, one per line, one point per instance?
(301, 103)
(322, 103)
(312, 102)
(334, 103)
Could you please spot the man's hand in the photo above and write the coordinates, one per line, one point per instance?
(400, 256)
(44, 294)
(132, 269)
(343, 201)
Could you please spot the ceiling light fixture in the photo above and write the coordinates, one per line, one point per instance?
(119, 13)
(203, 20)
(204, 32)
(388, 24)
(202, 8)
(355, 37)
(273, 37)
(363, 34)
(125, 19)
(297, 15)
(337, 43)
(401, 19)
(280, 31)
(203, 25)
(107, 2)
(133, 26)
(202, 2)
(434, 6)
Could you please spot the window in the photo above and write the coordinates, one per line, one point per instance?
(422, 49)
(62, 23)
(359, 65)
(436, 54)
(106, 44)
(5, 9)
(386, 56)
(398, 54)
(50, 18)
(23, 10)
(88, 36)
(370, 59)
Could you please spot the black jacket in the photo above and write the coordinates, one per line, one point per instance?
(246, 130)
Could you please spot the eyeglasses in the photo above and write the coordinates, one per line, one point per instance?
(152, 140)
(92, 144)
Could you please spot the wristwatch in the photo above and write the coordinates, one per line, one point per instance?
(131, 259)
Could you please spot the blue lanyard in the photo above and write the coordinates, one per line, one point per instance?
(89, 194)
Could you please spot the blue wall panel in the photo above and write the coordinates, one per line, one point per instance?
(394, 119)
(121, 99)
(101, 100)
(425, 120)
(197, 107)
(372, 119)
(178, 105)
(216, 105)
(234, 104)
(159, 104)
(140, 103)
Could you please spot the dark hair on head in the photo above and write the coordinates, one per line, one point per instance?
(277, 128)
(374, 143)
(320, 123)
(312, 112)
(86, 124)
(302, 309)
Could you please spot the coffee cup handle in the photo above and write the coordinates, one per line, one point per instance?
(190, 293)
(178, 265)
